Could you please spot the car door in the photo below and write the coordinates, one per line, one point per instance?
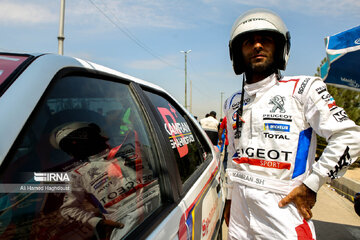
(37, 175)
(199, 172)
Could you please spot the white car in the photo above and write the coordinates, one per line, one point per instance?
(160, 176)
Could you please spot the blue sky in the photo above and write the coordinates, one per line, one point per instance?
(144, 38)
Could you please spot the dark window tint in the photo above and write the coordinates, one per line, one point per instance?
(91, 132)
(189, 147)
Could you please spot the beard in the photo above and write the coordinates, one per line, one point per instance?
(259, 69)
(266, 67)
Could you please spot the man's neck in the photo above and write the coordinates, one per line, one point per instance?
(256, 77)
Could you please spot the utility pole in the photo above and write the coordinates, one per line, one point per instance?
(61, 37)
(186, 52)
(190, 96)
(221, 104)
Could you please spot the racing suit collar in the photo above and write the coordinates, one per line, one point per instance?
(264, 84)
(101, 155)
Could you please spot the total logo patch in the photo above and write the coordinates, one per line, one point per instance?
(277, 127)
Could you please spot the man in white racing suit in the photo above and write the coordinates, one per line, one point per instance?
(272, 126)
(124, 192)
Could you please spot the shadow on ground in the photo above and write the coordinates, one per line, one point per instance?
(335, 231)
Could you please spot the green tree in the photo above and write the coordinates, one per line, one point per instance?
(318, 74)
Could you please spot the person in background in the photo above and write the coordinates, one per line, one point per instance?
(223, 131)
(272, 125)
(210, 125)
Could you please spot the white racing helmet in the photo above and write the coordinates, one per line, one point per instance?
(63, 131)
(258, 20)
(80, 139)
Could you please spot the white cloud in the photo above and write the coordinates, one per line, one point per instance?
(334, 7)
(128, 13)
(309, 7)
(15, 12)
(125, 13)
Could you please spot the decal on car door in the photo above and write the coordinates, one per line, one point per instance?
(179, 132)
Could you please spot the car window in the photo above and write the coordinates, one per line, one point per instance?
(88, 145)
(189, 147)
(10, 66)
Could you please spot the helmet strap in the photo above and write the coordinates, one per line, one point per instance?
(278, 74)
(239, 112)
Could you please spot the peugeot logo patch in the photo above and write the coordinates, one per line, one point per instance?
(278, 102)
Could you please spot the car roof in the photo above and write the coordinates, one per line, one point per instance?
(99, 67)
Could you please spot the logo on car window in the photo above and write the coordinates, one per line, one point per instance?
(179, 132)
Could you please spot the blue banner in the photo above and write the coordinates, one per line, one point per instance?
(343, 53)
